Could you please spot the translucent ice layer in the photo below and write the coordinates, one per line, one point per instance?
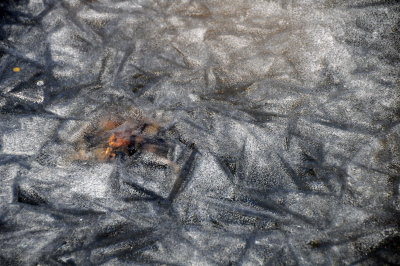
(199, 132)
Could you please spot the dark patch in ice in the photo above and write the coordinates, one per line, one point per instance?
(28, 196)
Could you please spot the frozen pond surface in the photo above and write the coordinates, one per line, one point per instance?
(199, 132)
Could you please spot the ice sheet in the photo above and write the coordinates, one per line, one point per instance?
(260, 132)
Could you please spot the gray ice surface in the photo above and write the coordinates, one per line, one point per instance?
(280, 119)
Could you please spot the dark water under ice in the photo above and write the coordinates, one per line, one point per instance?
(199, 132)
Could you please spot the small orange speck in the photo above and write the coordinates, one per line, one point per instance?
(109, 152)
(116, 142)
(16, 69)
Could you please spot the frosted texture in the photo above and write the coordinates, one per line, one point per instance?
(271, 132)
